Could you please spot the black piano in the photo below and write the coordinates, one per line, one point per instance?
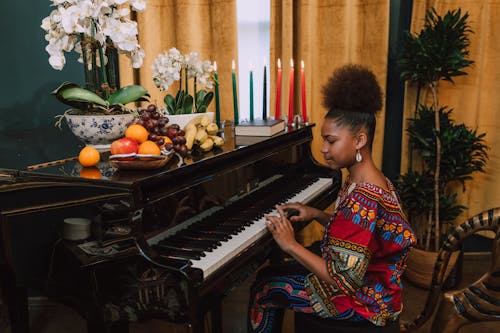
(167, 243)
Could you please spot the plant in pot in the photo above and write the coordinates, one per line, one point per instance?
(98, 31)
(446, 153)
(172, 66)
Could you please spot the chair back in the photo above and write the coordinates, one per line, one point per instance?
(480, 301)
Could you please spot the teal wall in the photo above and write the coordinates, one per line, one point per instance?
(27, 110)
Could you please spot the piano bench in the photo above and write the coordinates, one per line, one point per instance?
(307, 323)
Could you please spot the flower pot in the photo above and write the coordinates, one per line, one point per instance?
(98, 130)
(421, 267)
(183, 119)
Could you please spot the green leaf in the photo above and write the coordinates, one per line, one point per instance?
(170, 103)
(71, 94)
(127, 94)
(208, 98)
(187, 106)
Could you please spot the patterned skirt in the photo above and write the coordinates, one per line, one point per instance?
(279, 287)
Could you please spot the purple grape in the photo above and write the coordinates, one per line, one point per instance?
(164, 131)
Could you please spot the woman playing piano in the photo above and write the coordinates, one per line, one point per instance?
(355, 277)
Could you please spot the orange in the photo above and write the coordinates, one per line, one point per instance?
(137, 132)
(166, 140)
(89, 156)
(90, 173)
(150, 148)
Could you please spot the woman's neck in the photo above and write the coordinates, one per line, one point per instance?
(367, 172)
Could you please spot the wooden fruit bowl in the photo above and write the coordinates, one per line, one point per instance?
(138, 162)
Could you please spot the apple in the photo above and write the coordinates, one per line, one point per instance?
(124, 146)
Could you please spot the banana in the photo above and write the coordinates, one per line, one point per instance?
(212, 128)
(205, 120)
(195, 121)
(190, 131)
(201, 136)
(218, 141)
(207, 145)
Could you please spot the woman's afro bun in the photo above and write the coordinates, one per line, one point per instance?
(352, 88)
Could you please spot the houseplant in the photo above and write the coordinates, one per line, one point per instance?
(172, 66)
(98, 30)
(449, 152)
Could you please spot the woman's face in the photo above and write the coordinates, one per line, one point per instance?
(339, 144)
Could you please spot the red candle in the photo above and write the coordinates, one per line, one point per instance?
(290, 96)
(277, 113)
(303, 86)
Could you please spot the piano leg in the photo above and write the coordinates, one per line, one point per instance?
(216, 314)
(16, 300)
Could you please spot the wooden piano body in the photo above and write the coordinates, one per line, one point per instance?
(142, 220)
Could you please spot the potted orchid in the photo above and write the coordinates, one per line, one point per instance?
(172, 66)
(98, 30)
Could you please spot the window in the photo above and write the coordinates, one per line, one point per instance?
(253, 53)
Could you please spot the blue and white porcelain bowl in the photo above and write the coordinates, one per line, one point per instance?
(99, 129)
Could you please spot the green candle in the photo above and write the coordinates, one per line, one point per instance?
(235, 95)
(251, 94)
(217, 101)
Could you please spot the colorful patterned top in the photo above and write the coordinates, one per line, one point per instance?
(365, 246)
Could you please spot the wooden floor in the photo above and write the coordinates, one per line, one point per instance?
(49, 317)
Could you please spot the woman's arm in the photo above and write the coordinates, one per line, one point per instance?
(284, 235)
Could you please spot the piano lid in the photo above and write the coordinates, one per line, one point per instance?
(198, 165)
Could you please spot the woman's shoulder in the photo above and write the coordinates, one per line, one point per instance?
(375, 193)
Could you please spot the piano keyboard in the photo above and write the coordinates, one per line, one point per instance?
(224, 250)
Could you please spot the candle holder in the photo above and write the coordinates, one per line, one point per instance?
(297, 121)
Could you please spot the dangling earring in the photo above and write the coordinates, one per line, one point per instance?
(359, 158)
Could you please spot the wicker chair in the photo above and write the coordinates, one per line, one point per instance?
(480, 301)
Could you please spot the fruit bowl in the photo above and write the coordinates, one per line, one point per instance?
(137, 161)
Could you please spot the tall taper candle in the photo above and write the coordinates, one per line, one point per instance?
(264, 96)
(217, 100)
(235, 94)
(277, 112)
(251, 93)
(303, 87)
(290, 96)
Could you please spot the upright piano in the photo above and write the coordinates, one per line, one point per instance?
(167, 243)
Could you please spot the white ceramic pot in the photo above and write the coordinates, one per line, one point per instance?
(183, 119)
(98, 129)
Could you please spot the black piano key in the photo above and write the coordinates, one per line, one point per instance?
(177, 253)
(190, 244)
(212, 244)
(176, 262)
(201, 235)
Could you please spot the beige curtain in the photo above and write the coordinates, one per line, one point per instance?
(473, 97)
(208, 27)
(327, 34)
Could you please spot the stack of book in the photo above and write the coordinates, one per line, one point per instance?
(260, 127)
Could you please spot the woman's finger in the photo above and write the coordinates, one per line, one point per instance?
(281, 212)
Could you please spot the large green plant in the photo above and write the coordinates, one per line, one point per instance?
(449, 152)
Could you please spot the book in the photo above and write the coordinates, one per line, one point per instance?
(260, 127)
(247, 140)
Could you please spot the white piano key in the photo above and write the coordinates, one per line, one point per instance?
(238, 243)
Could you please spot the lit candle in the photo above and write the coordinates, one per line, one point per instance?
(264, 95)
(217, 101)
(251, 93)
(290, 96)
(303, 87)
(277, 113)
(235, 94)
